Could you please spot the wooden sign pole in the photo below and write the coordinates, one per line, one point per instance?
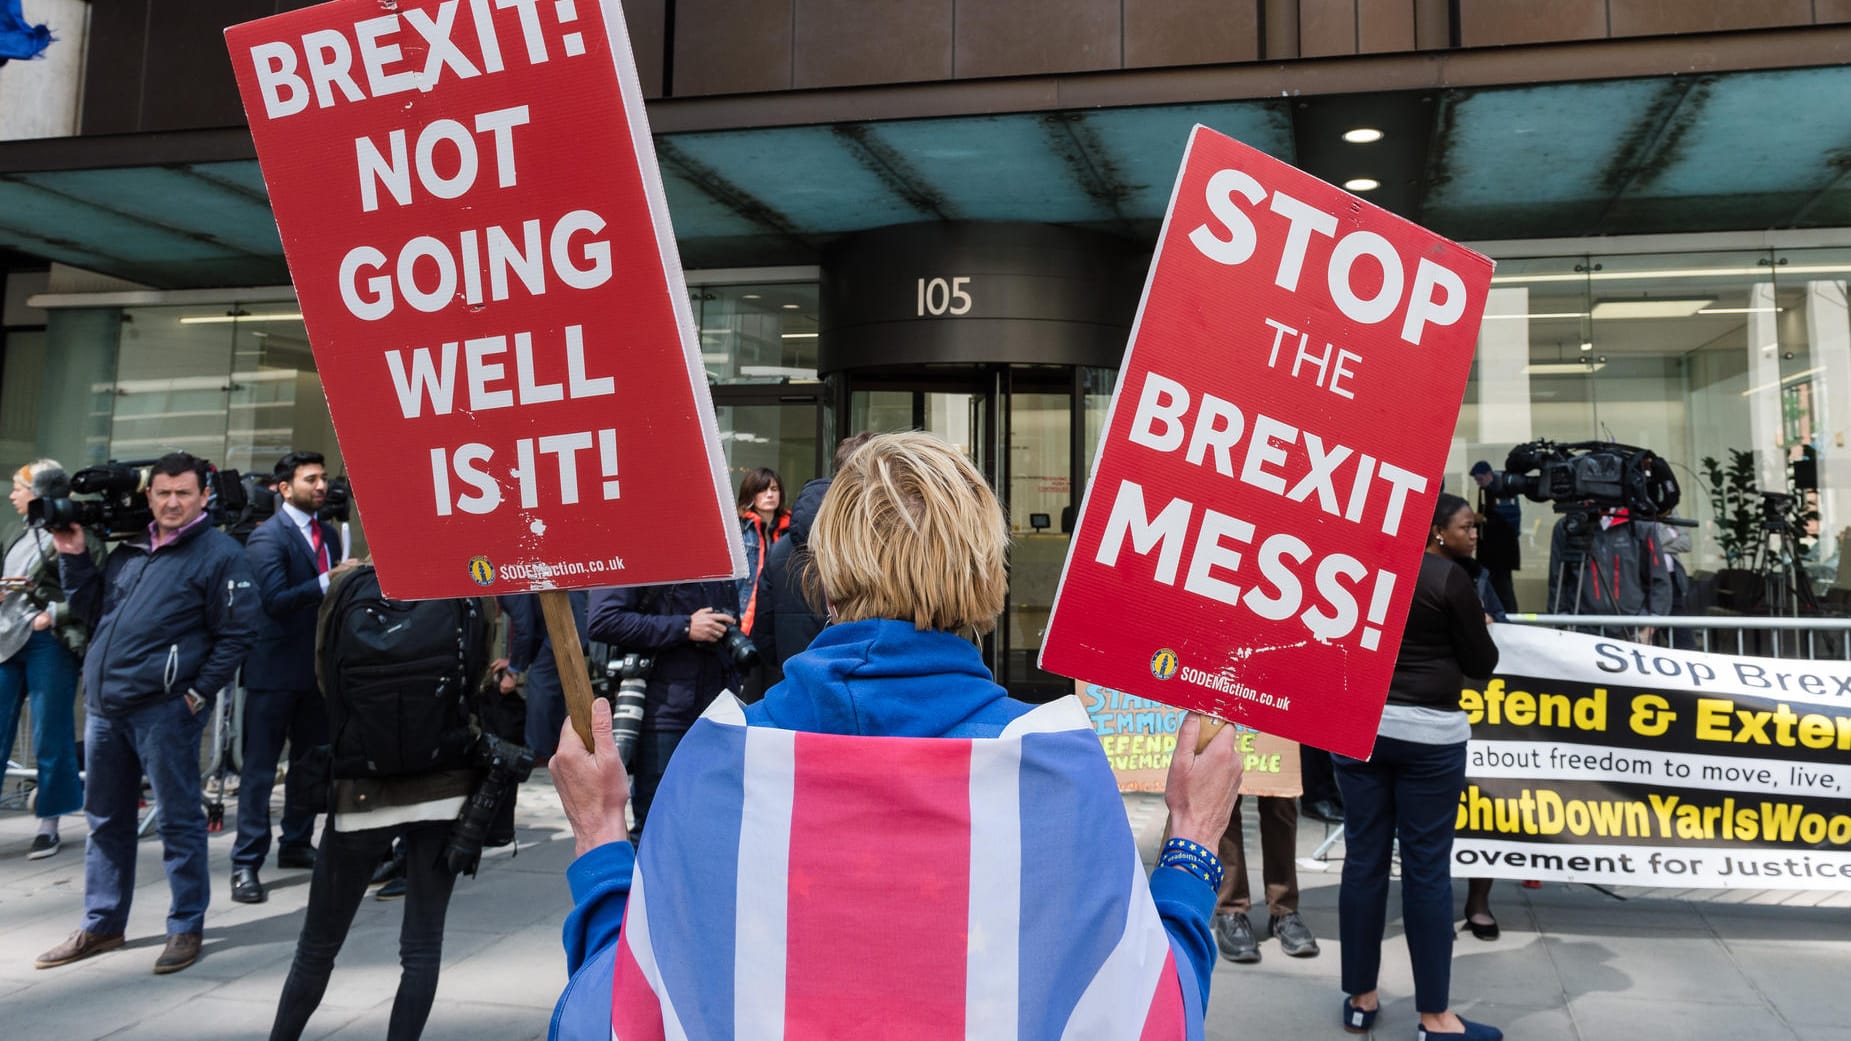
(562, 628)
(1210, 727)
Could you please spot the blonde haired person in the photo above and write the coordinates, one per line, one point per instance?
(42, 670)
(908, 551)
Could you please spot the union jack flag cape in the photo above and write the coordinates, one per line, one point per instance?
(808, 886)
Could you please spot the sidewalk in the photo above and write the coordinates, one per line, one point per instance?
(1698, 965)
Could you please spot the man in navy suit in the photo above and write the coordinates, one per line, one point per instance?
(294, 555)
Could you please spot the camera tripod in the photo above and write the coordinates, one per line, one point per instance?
(1785, 587)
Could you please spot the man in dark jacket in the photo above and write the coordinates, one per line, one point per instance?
(173, 612)
(786, 620)
(1499, 546)
(530, 652)
(786, 623)
(294, 555)
(680, 627)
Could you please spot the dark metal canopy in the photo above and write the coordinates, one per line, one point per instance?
(1726, 151)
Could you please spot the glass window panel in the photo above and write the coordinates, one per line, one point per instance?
(880, 411)
(1690, 355)
(958, 418)
(1097, 385)
(1815, 409)
(782, 437)
(172, 383)
(758, 333)
(1039, 493)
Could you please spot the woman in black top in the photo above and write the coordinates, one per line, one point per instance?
(1410, 788)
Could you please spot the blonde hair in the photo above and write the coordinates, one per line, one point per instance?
(910, 531)
(30, 472)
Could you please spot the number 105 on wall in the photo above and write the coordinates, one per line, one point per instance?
(943, 296)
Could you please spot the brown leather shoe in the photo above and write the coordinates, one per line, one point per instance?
(78, 946)
(182, 950)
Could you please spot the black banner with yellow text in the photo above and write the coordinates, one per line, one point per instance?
(1597, 760)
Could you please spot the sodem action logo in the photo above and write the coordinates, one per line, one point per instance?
(1164, 663)
(481, 570)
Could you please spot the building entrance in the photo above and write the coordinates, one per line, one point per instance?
(1031, 430)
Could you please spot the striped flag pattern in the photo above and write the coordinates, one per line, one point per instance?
(824, 886)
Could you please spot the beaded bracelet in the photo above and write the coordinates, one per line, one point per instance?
(1194, 858)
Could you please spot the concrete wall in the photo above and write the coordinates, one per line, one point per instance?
(161, 64)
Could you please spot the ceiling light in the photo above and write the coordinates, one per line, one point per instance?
(1544, 314)
(1657, 307)
(1561, 368)
(1740, 310)
(222, 319)
(1362, 136)
(1361, 184)
(777, 371)
(800, 336)
(750, 296)
(1586, 346)
(790, 307)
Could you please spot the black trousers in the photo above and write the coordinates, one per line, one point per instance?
(342, 870)
(1317, 775)
(269, 717)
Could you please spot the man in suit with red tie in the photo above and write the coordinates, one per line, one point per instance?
(294, 554)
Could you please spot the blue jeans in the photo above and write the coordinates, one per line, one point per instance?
(269, 717)
(654, 748)
(45, 672)
(162, 741)
(1412, 791)
(546, 705)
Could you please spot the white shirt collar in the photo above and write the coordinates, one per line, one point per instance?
(297, 517)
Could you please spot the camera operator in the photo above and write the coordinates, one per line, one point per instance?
(293, 556)
(1501, 522)
(683, 627)
(174, 612)
(1604, 562)
(39, 666)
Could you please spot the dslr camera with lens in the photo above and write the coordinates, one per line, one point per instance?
(508, 764)
(738, 647)
(119, 507)
(631, 673)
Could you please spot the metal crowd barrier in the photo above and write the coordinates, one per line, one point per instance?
(1777, 637)
(1761, 636)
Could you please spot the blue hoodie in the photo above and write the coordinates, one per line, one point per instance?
(871, 678)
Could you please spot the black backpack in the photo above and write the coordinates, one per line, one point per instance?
(398, 676)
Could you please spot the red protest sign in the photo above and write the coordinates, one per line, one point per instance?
(475, 225)
(1263, 490)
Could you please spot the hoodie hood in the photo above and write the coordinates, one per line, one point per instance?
(884, 678)
(804, 510)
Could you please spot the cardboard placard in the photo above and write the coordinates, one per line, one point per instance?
(474, 221)
(1139, 738)
(1266, 480)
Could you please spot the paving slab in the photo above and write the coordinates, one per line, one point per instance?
(1573, 962)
